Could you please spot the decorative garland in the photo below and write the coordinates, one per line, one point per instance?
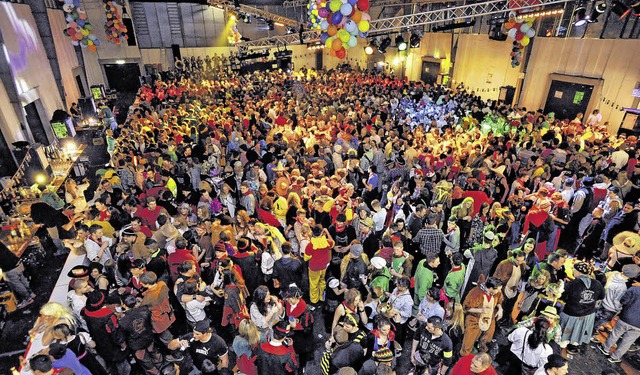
(79, 29)
(342, 23)
(114, 27)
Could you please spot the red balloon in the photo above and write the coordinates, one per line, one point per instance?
(519, 36)
(329, 18)
(363, 5)
(341, 53)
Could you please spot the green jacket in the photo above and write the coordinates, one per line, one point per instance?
(382, 280)
(423, 280)
(453, 282)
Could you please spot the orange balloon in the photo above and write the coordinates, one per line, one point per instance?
(332, 30)
(337, 45)
(510, 25)
(93, 48)
(357, 16)
(332, 52)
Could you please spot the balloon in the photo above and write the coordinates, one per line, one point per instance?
(509, 25)
(315, 12)
(513, 54)
(72, 25)
(324, 37)
(328, 6)
(329, 42)
(531, 33)
(69, 18)
(341, 53)
(332, 30)
(356, 16)
(335, 5)
(512, 33)
(363, 5)
(96, 42)
(366, 16)
(525, 41)
(363, 26)
(75, 43)
(342, 22)
(351, 26)
(92, 37)
(90, 42)
(343, 35)
(336, 45)
(324, 25)
(84, 32)
(353, 2)
(323, 12)
(524, 27)
(80, 23)
(92, 48)
(336, 18)
(332, 52)
(346, 9)
(71, 31)
(76, 3)
(88, 26)
(353, 41)
(519, 36)
(68, 8)
(363, 35)
(329, 21)
(83, 16)
(84, 42)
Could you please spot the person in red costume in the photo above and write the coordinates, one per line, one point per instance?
(474, 364)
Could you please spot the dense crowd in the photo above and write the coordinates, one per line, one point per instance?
(266, 221)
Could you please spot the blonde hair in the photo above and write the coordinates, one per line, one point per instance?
(248, 330)
(457, 317)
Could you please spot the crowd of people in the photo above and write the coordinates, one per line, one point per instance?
(270, 221)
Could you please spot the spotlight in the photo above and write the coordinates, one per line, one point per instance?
(368, 50)
(384, 44)
(597, 10)
(580, 16)
(400, 43)
(414, 40)
(620, 9)
(232, 17)
(41, 179)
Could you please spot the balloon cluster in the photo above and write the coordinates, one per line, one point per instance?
(312, 13)
(521, 32)
(79, 29)
(114, 27)
(342, 22)
(234, 35)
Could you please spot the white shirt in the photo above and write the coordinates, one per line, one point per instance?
(594, 119)
(93, 249)
(378, 219)
(532, 357)
(620, 158)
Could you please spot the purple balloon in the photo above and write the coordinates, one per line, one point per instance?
(352, 2)
(328, 7)
(324, 37)
(323, 12)
(363, 35)
(80, 22)
(336, 18)
(96, 42)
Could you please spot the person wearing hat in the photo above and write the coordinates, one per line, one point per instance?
(578, 316)
(482, 307)
(432, 349)
(274, 357)
(367, 237)
(554, 333)
(340, 353)
(625, 246)
(301, 322)
(208, 350)
(614, 290)
(625, 220)
(380, 276)
(580, 206)
(247, 258)
(105, 331)
(482, 260)
(353, 267)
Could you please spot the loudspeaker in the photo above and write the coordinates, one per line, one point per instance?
(495, 33)
(175, 49)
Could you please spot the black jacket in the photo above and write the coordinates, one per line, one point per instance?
(136, 328)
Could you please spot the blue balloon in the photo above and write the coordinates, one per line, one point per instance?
(363, 35)
(76, 3)
(80, 22)
(96, 42)
(324, 25)
(336, 18)
(324, 37)
(351, 26)
(352, 2)
(328, 6)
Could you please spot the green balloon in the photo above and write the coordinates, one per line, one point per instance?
(88, 26)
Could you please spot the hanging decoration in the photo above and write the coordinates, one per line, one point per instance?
(114, 28)
(342, 22)
(520, 31)
(79, 29)
(314, 10)
(234, 35)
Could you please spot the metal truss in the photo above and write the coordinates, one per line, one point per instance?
(228, 5)
(417, 19)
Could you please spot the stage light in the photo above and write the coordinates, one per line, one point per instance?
(580, 16)
(368, 50)
(597, 10)
(232, 17)
(620, 9)
(414, 40)
(400, 43)
(279, 24)
(384, 44)
(41, 179)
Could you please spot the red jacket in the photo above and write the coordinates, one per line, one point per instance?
(463, 367)
(320, 255)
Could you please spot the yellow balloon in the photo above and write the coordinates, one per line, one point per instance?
(329, 43)
(525, 40)
(363, 26)
(335, 5)
(314, 12)
(344, 35)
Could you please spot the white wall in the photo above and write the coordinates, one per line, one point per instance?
(107, 52)
(615, 61)
(67, 59)
(27, 57)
